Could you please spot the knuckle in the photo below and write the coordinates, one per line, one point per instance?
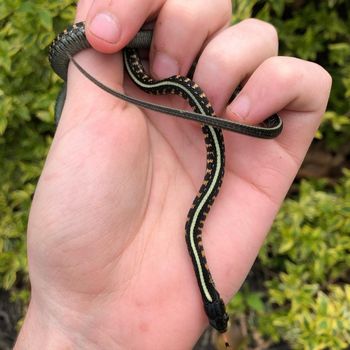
(324, 78)
(226, 11)
(183, 13)
(224, 61)
(195, 13)
(222, 13)
(263, 28)
(282, 72)
(328, 80)
(299, 77)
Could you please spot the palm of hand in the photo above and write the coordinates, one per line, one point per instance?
(107, 225)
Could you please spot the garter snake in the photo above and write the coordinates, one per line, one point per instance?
(73, 40)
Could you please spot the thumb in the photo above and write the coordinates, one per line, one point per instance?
(112, 24)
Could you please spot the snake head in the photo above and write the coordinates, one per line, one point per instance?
(217, 315)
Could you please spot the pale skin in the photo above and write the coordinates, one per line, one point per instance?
(108, 262)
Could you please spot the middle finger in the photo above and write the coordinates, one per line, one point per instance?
(232, 56)
(181, 29)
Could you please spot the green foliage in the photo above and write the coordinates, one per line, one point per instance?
(27, 93)
(308, 249)
(305, 263)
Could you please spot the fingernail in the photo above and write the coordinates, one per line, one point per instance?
(164, 66)
(106, 27)
(240, 106)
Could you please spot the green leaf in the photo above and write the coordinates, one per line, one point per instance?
(9, 280)
(3, 124)
(255, 302)
(45, 19)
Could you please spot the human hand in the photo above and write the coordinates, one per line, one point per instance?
(108, 262)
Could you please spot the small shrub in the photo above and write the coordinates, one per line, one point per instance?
(305, 263)
(27, 94)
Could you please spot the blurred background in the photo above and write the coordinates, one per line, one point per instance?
(297, 295)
